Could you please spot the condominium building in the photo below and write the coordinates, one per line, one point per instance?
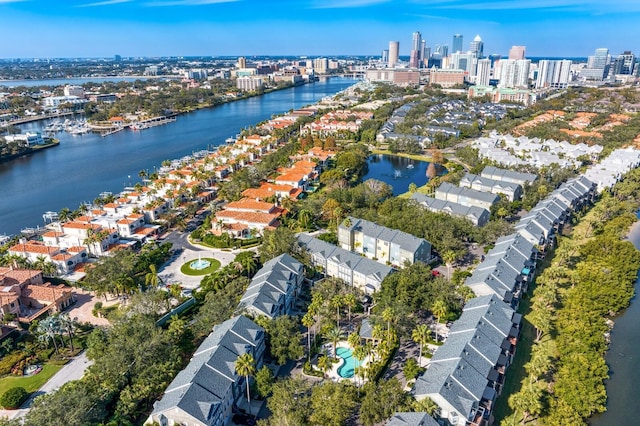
(553, 74)
(465, 196)
(515, 73)
(517, 52)
(512, 191)
(249, 83)
(388, 246)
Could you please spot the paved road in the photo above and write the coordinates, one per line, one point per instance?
(73, 370)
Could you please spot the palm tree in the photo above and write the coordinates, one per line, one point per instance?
(388, 315)
(449, 257)
(354, 340)
(337, 302)
(421, 335)
(63, 215)
(324, 364)
(334, 335)
(68, 325)
(359, 353)
(246, 366)
(308, 321)
(439, 310)
(350, 301)
(152, 279)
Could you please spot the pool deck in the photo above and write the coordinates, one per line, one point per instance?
(333, 373)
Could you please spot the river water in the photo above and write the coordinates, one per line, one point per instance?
(622, 359)
(83, 166)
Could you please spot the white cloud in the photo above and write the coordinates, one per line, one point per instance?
(103, 3)
(187, 2)
(587, 6)
(343, 4)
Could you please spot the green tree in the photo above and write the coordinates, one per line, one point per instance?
(332, 403)
(13, 398)
(152, 279)
(421, 335)
(381, 400)
(276, 242)
(324, 364)
(264, 381)
(284, 339)
(246, 366)
(289, 403)
(411, 369)
(440, 310)
(334, 335)
(308, 321)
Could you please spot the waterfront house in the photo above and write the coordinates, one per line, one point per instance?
(466, 373)
(274, 288)
(355, 270)
(388, 246)
(25, 294)
(208, 390)
(65, 259)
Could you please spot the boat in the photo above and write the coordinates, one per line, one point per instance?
(138, 126)
(410, 166)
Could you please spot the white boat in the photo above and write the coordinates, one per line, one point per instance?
(138, 126)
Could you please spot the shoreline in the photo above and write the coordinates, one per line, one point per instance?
(31, 150)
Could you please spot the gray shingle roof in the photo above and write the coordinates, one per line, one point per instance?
(406, 241)
(477, 215)
(200, 387)
(268, 288)
(446, 188)
(412, 419)
(508, 175)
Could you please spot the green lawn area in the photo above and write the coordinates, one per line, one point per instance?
(31, 383)
(187, 270)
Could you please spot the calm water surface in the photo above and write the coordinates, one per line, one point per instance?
(623, 360)
(398, 172)
(82, 166)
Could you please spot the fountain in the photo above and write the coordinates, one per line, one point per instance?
(199, 264)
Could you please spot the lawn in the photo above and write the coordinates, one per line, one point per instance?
(187, 270)
(31, 383)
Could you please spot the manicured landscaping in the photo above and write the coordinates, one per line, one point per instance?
(31, 383)
(214, 265)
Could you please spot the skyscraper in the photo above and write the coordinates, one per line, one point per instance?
(242, 62)
(624, 63)
(477, 46)
(394, 49)
(416, 41)
(414, 59)
(553, 74)
(457, 43)
(423, 51)
(515, 73)
(385, 56)
(597, 65)
(484, 72)
(517, 52)
(442, 50)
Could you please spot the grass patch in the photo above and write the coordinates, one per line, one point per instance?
(187, 270)
(31, 383)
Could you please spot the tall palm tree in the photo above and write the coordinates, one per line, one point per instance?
(337, 302)
(246, 366)
(359, 353)
(324, 364)
(308, 321)
(439, 310)
(68, 325)
(152, 279)
(334, 335)
(388, 315)
(354, 340)
(63, 215)
(350, 302)
(421, 335)
(449, 257)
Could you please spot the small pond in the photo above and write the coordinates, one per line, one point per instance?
(399, 172)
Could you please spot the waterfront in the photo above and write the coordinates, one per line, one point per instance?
(622, 359)
(85, 165)
(76, 80)
(398, 172)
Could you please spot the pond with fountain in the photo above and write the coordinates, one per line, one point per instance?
(399, 172)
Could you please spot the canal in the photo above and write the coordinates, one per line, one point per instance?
(83, 166)
(622, 359)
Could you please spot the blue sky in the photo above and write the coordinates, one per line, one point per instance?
(97, 28)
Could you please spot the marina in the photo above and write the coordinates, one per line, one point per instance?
(82, 167)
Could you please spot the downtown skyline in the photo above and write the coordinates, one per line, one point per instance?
(85, 28)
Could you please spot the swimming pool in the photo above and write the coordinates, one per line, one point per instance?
(347, 369)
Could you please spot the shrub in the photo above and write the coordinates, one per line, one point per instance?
(13, 398)
(10, 360)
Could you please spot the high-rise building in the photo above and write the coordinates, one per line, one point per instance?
(494, 57)
(416, 41)
(624, 63)
(117, 58)
(517, 52)
(597, 65)
(320, 65)
(423, 51)
(515, 73)
(442, 50)
(463, 61)
(385, 56)
(483, 75)
(477, 46)
(394, 51)
(242, 62)
(553, 74)
(457, 43)
(414, 59)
